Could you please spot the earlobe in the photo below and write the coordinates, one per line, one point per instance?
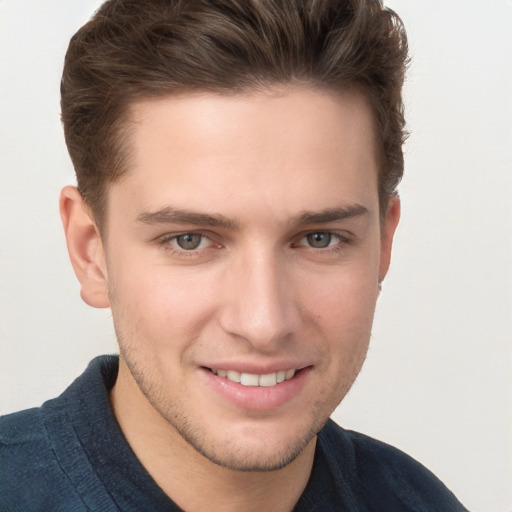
(85, 248)
(389, 225)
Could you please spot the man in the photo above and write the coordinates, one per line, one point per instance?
(237, 165)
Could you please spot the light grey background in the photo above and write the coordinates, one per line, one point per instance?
(437, 380)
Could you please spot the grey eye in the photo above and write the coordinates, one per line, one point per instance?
(189, 241)
(319, 240)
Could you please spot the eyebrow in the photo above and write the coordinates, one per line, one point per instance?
(169, 215)
(330, 214)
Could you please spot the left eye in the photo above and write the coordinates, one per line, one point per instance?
(320, 239)
(189, 241)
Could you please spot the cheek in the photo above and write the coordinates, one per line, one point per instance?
(157, 302)
(346, 298)
(342, 312)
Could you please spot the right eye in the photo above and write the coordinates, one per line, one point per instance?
(186, 244)
(189, 241)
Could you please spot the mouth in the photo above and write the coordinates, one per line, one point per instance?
(261, 391)
(255, 380)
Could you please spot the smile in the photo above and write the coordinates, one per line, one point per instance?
(251, 379)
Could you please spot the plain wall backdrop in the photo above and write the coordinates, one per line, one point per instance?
(437, 382)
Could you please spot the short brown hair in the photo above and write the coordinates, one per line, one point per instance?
(138, 49)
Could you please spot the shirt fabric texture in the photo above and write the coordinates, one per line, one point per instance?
(69, 455)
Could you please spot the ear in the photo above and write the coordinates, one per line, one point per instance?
(389, 224)
(85, 248)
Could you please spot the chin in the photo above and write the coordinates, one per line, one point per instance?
(254, 455)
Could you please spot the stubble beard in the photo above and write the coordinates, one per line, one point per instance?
(230, 454)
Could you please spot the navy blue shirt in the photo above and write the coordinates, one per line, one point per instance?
(70, 455)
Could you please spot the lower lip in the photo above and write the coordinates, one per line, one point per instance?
(258, 398)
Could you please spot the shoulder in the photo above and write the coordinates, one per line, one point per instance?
(23, 439)
(31, 477)
(19, 426)
(384, 474)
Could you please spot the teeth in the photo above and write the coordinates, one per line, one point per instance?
(251, 379)
(233, 375)
(268, 380)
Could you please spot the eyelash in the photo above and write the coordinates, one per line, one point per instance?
(165, 243)
(342, 241)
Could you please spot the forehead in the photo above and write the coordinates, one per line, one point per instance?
(283, 147)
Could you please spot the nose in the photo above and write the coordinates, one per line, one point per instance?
(260, 304)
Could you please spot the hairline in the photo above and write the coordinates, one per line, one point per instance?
(127, 124)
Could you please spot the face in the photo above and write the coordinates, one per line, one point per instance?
(243, 255)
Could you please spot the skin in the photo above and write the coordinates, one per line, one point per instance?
(262, 181)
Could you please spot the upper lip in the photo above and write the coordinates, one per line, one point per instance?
(257, 368)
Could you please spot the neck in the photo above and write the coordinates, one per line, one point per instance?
(192, 481)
